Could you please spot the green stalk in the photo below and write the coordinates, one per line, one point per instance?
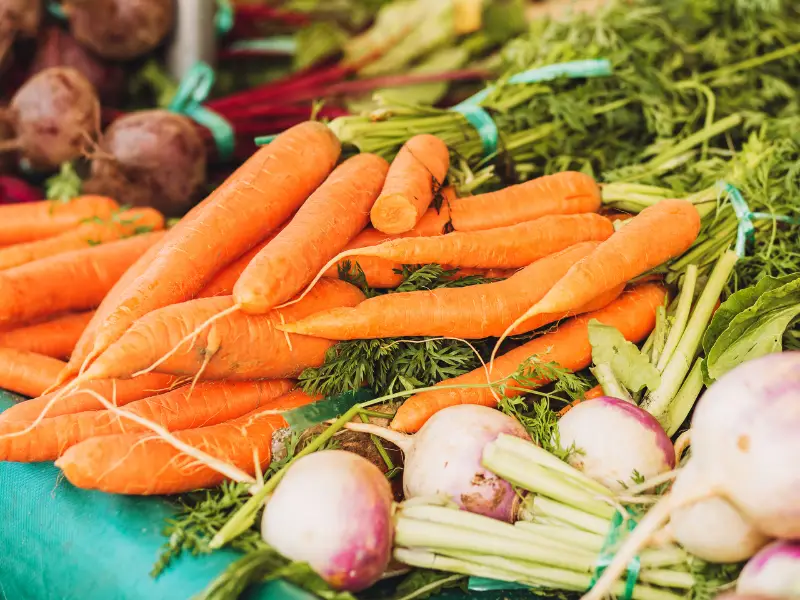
(752, 62)
(608, 381)
(681, 316)
(684, 400)
(387, 460)
(678, 366)
(428, 560)
(539, 508)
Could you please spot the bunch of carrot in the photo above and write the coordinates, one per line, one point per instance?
(179, 377)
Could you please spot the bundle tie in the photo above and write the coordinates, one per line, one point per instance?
(610, 545)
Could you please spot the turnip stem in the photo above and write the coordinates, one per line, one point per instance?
(535, 508)
(681, 317)
(585, 540)
(608, 381)
(684, 400)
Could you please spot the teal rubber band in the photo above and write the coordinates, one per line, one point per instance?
(265, 139)
(56, 10)
(745, 231)
(279, 44)
(223, 20)
(483, 124)
(483, 584)
(607, 554)
(192, 92)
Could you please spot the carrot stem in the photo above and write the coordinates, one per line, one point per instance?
(387, 460)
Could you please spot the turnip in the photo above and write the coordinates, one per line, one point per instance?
(444, 458)
(18, 18)
(333, 510)
(773, 572)
(615, 439)
(120, 29)
(54, 116)
(150, 158)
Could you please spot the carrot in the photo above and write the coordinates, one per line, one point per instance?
(238, 346)
(416, 173)
(122, 392)
(473, 312)
(55, 338)
(140, 463)
(332, 216)
(595, 392)
(564, 193)
(183, 408)
(39, 220)
(633, 314)
(251, 203)
(72, 281)
(649, 239)
(27, 373)
(96, 231)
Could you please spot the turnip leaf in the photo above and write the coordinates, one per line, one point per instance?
(630, 366)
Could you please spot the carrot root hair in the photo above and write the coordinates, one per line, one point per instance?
(321, 274)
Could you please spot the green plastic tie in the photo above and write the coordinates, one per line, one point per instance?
(192, 92)
(612, 540)
(223, 20)
(483, 584)
(483, 123)
(265, 139)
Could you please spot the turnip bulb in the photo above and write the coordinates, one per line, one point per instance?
(333, 510)
(120, 29)
(615, 439)
(773, 572)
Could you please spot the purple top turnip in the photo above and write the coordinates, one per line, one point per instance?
(773, 572)
(120, 29)
(333, 510)
(614, 439)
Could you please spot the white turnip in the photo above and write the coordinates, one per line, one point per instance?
(615, 439)
(773, 572)
(444, 458)
(333, 510)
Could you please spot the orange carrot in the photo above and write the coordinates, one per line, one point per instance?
(564, 193)
(92, 233)
(71, 281)
(55, 338)
(39, 220)
(649, 239)
(27, 373)
(595, 392)
(251, 203)
(238, 346)
(123, 391)
(473, 312)
(416, 173)
(140, 463)
(633, 314)
(183, 408)
(332, 216)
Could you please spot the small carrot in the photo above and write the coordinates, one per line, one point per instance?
(564, 193)
(31, 221)
(56, 337)
(94, 232)
(140, 463)
(72, 281)
(633, 314)
(27, 373)
(122, 392)
(238, 346)
(416, 173)
(595, 392)
(332, 216)
(183, 408)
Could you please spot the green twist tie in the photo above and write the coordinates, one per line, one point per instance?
(609, 548)
(483, 124)
(265, 139)
(192, 92)
(223, 20)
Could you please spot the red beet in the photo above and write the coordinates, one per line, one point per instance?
(58, 48)
(150, 158)
(15, 191)
(120, 29)
(54, 115)
(18, 17)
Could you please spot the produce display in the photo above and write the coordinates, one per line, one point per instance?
(498, 304)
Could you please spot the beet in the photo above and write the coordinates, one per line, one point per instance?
(18, 18)
(150, 158)
(57, 48)
(120, 29)
(55, 115)
(16, 191)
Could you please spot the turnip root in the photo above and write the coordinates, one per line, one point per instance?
(54, 115)
(333, 510)
(773, 572)
(615, 439)
(150, 158)
(120, 29)
(18, 18)
(444, 458)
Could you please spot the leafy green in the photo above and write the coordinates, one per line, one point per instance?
(303, 417)
(64, 186)
(316, 42)
(631, 367)
(433, 276)
(424, 583)
(712, 579)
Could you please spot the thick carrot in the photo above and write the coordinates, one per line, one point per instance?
(633, 314)
(473, 312)
(649, 239)
(183, 408)
(251, 203)
(238, 346)
(332, 216)
(140, 463)
(39, 220)
(27, 373)
(416, 173)
(94, 232)
(123, 391)
(56, 337)
(72, 281)
(564, 193)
